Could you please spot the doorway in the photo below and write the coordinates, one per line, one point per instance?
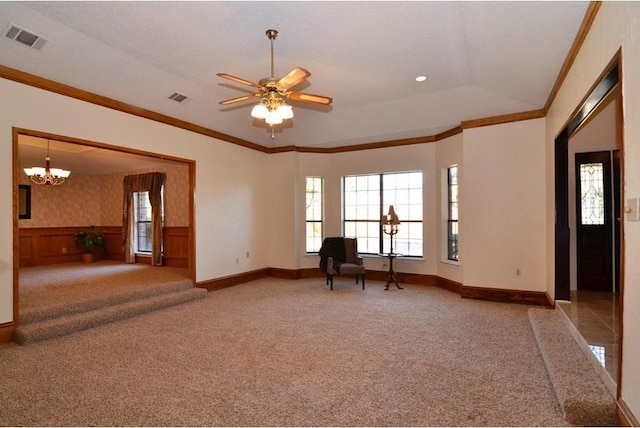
(597, 177)
(600, 255)
(94, 155)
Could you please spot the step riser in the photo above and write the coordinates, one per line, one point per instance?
(87, 305)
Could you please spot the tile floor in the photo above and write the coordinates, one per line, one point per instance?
(596, 316)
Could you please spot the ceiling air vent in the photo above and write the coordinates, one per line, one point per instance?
(178, 97)
(25, 37)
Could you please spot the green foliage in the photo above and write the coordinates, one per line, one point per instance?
(90, 240)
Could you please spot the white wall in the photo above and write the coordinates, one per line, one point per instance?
(230, 186)
(283, 190)
(448, 153)
(502, 213)
(616, 25)
(501, 208)
(333, 167)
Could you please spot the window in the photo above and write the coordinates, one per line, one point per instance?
(142, 210)
(367, 197)
(314, 213)
(452, 213)
(592, 193)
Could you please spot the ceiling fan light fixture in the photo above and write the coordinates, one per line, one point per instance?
(274, 91)
(286, 111)
(274, 118)
(259, 111)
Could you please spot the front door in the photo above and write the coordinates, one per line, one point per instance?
(595, 227)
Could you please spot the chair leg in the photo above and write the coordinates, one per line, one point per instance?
(363, 281)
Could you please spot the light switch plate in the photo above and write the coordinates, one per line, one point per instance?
(632, 209)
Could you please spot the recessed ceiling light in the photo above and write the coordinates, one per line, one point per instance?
(421, 78)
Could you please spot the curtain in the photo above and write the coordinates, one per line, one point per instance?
(151, 182)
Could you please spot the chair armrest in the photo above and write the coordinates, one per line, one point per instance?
(359, 261)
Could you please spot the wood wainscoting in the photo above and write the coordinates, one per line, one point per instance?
(52, 245)
(48, 245)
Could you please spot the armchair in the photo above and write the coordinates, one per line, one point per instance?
(339, 256)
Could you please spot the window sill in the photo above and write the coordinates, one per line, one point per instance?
(450, 262)
(383, 256)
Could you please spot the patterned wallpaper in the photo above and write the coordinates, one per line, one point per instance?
(85, 200)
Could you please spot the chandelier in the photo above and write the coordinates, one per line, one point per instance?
(47, 176)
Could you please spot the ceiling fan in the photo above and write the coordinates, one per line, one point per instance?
(273, 91)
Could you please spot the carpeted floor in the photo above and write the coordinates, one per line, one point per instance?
(58, 289)
(290, 353)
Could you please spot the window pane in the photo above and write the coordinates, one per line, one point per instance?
(313, 193)
(592, 193)
(452, 240)
(143, 221)
(452, 220)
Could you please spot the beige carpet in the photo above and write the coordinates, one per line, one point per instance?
(61, 299)
(276, 352)
(582, 394)
(55, 290)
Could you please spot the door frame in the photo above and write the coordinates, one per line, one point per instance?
(16, 132)
(609, 81)
(604, 87)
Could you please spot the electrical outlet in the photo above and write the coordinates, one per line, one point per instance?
(518, 272)
(64, 250)
(237, 261)
(247, 254)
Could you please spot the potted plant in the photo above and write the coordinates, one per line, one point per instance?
(90, 242)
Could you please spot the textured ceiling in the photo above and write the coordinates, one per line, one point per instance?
(482, 58)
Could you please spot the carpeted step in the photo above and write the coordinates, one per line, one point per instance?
(84, 302)
(582, 395)
(63, 325)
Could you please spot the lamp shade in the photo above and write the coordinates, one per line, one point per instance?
(57, 172)
(259, 111)
(274, 118)
(286, 111)
(392, 216)
(35, 171)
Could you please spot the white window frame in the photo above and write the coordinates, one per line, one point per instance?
(314, 214)
(366, 197)
(452, 249)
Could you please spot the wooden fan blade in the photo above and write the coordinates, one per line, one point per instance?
(312, 98)
(239, 80)
(294, 77)
(237, 99)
